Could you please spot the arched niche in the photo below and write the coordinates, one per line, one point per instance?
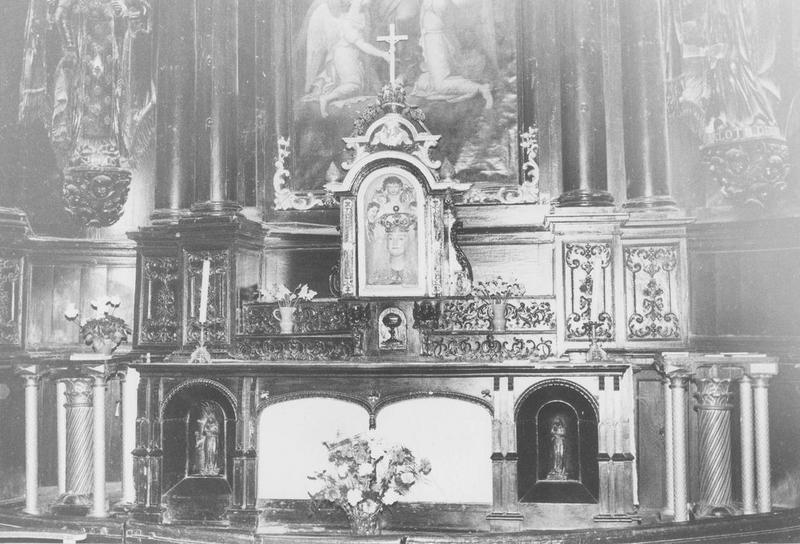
(455, 435)
(557, 444)
(198, 439)
(290, 441)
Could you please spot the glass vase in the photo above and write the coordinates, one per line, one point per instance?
(365, 524)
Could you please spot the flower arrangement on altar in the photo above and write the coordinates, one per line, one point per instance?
(286, 298)
(498, 290)
(365, 477)
(105, 331)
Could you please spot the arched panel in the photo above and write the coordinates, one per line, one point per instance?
(457, 438)
(290, 437)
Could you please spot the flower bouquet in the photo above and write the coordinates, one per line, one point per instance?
(287, 303)
(105, 331)
(365, 477)
(497, 292)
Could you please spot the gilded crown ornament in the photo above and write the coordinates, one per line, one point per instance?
(398, 221)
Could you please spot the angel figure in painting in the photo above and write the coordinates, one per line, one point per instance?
(558, 433)
(442, 77)
(335, 44)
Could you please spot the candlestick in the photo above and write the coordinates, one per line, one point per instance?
(204, 291)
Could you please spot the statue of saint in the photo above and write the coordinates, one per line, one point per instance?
(206, 449)
(558, 447)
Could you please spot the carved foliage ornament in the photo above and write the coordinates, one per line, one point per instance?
(95, 187)
(479, 347)
(750, 171)
(651, 283)
(216, 329)
(160, 320)
(587, 278)
(9, 304)
(476, 314)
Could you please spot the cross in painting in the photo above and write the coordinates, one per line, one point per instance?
(392, 39)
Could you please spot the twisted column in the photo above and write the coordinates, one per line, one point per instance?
(761, 419)
(668, 452)
(80, 457)
(678, 383)
(99, 465)
(748, 454)
(714, 419)
(32, 444)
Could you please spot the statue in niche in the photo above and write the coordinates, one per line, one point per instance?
(206, 446)
(558, 448)
(392, 233)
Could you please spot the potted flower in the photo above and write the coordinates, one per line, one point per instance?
(105, 331)
(287, 303)
(497, 292)
(365, 477)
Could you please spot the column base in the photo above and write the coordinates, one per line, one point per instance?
(713, 511)
(123, 507)
(166, 216)
(215, 208)
(505, 522)
(651, 203)
(73, 505)
(584, 198)
(617, 519)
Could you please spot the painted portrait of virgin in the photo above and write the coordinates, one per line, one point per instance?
(391, 246)
(458, 65)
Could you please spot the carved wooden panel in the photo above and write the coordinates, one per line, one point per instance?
(216, 328)
(588, 289)
(10, 304)
(160, 322)
(652, 291)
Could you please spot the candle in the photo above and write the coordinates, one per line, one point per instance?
(594, 308)
(204, 290)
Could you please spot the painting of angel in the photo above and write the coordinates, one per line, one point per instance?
(458, 65)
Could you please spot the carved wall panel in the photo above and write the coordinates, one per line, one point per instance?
(476, 314)
(216, 327)
(652, 299)
(10, 307)
(160, 321)
(588, 289)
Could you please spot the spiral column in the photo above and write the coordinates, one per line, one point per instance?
(714, 420)
(80, 457)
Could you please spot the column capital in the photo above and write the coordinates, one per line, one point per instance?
(30, 373)
(79, 392)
